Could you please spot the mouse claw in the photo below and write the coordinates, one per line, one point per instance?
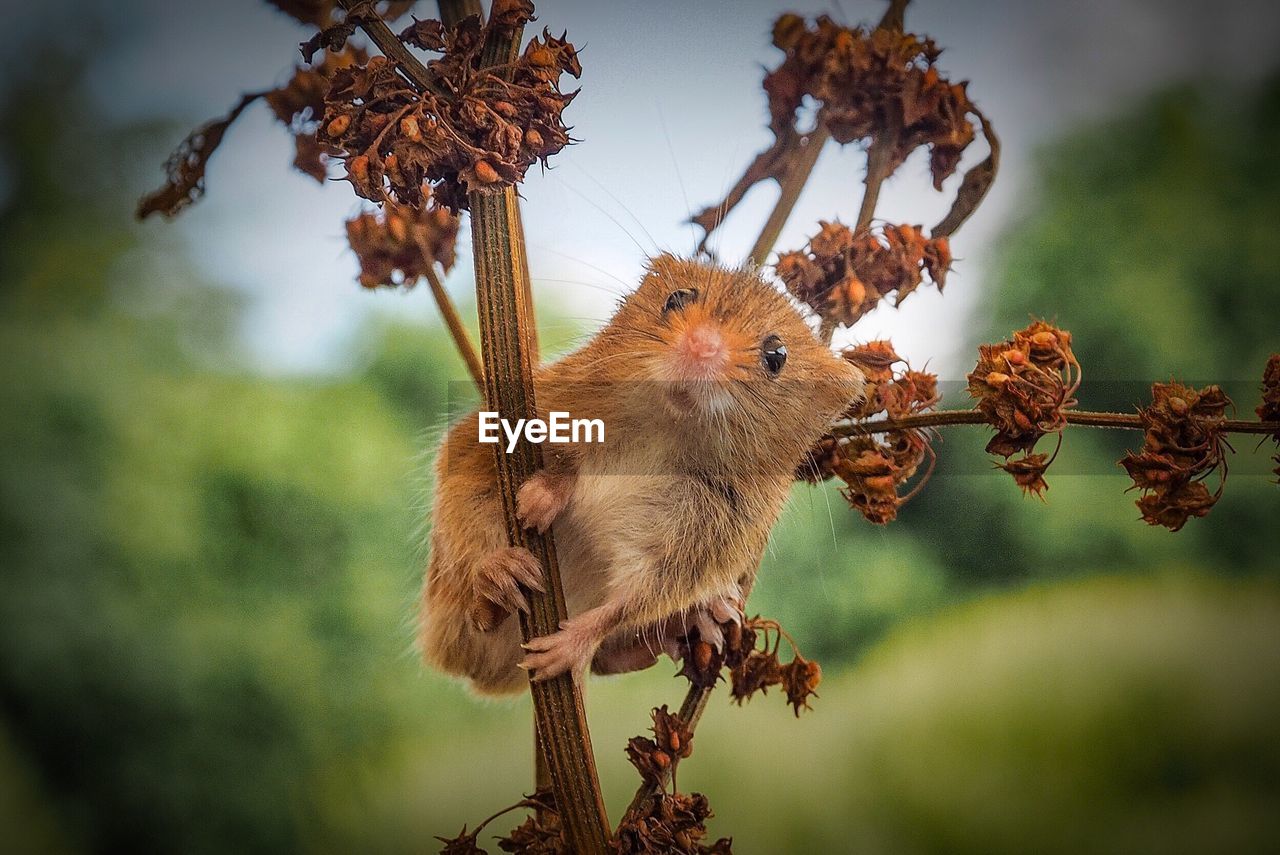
(497, 585)
(709, 630)
(725, 610)
(552, 655)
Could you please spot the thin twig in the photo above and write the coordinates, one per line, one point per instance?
(695, 703)
(791, 184)
(882, 144)
(878, 159)
(393, 49)
(945, 418)
(453, 321)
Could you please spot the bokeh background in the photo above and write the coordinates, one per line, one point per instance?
(214, 447)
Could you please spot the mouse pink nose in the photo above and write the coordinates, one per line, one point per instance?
(701, 351)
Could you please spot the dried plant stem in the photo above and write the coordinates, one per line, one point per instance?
(792, 183)
(501, 297)
(881, 149)
(695, 703)
(380, 34)
(878, 154)
(894, 16)
(508, 387)
(453, 321)
(453, 11)
(526, 285)
(944, 418)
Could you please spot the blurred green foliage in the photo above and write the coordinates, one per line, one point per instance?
(210, 575)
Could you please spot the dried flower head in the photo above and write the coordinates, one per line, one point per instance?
(669, 823)
(1028, 472)
(1024, 386)
(870, 86)
(298, 105)
(876, 466)
(842, 276)
(656, 758)
(463, 844)
(1183, 444)
(399, 244)
(475, 130)
(870, 82)
(541, 833)
(756, 673)
(800, 679)
(1269, 409)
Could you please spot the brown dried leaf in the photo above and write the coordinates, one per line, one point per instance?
(186, 166)
(310, 156)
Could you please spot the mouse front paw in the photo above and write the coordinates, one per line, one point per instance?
(497, 586)
(568, 650)
(541, 498)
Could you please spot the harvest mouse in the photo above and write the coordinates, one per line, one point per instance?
(711, 387)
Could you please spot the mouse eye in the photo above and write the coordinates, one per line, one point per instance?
(773, 353)
(680, 299)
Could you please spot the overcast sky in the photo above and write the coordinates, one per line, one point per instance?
(671, 111)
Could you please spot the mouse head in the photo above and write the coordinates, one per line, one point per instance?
(723, 349)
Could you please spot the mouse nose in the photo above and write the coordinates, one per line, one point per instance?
(701, 352)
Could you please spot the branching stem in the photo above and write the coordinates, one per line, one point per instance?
(393, 49)
(791, 184)
(453, 321)
(944, 418)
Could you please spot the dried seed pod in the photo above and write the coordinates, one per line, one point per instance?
(842, 276)
(1024, 387)
(1269, 409)
(868, 84)
(1028, 472)
(482, 137)
(800, 679)
(757, 672)
(669, 823)
(875, 467)
(397, 245)
(1183, 444)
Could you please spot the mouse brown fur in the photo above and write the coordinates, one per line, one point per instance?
(662, 525)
